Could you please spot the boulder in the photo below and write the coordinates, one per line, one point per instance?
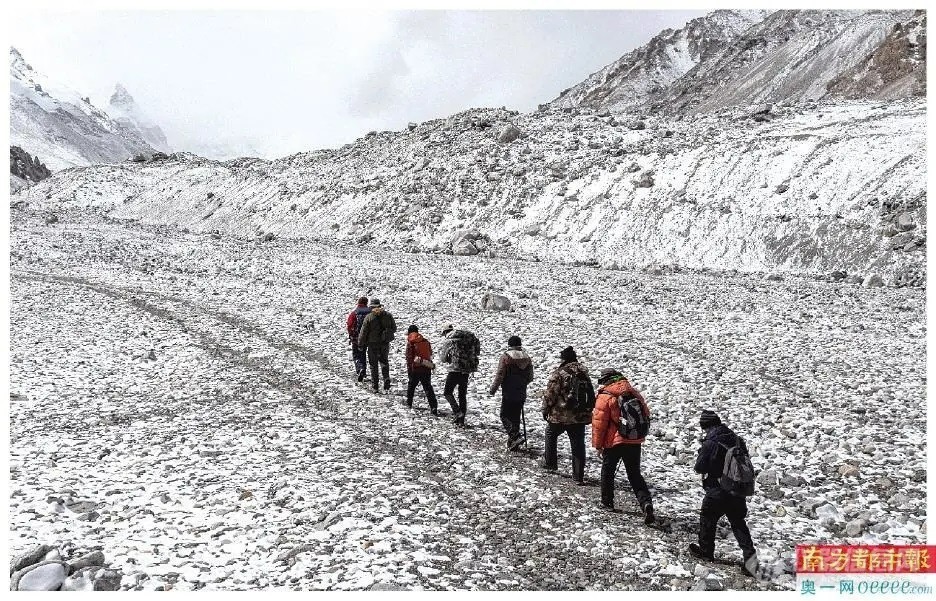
(768, 478)
(463, 244)
(495, 302)
(905, 222)
(855, 527)
(28, 558)
(873, 281)
(508, 134)
(645, 180)
(45, 576)
(94, 558)
(847, 470)
(792, 480)
(637, 125)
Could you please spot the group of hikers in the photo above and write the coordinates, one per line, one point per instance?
(617, 412)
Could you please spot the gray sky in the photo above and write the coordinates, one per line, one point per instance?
(281, 82)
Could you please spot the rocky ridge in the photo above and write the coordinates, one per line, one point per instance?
(813, 188)
(744, 58)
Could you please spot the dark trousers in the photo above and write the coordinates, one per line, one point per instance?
(454, 379)
(424, 378)
(379, 355)
(576, 433)
(510, 412)
(715, 504)
(630, 455)
(359, 355)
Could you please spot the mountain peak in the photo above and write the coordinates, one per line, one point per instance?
(121, 97)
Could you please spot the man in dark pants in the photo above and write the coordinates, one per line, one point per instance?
(460, 349)
(560, 417)
(419, 368)
(514, 373)
(358, 353)
(717, 501)
(612, 446)
(376, 333)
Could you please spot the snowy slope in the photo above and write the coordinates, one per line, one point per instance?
(806, 189)
(124, 110)
(783, 56)
(60, 127)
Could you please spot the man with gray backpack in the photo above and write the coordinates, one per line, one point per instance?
(461, 350)
(620, 423)
(728, 479)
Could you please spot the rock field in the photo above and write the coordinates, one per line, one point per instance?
(184, 403)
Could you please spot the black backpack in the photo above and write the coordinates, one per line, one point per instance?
(359, 317)
(463, 351)
(580, 394)
(737, 476)
(635, 423)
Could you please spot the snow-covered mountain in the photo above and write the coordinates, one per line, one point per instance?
(125, 111)
(62, 128)
(811, 189)
(731, 58)
(647, 71)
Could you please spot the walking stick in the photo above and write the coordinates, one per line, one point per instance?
(526, 443)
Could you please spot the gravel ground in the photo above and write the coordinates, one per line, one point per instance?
(186, 404)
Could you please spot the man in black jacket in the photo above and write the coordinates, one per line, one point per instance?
(376, 333)
(717, 501)
(514, 373)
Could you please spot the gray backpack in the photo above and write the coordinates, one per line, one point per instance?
(738, 472)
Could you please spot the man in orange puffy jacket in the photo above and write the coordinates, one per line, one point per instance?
(612, 446)
(418, 368)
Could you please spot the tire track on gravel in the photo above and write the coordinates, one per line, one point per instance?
(515, 524)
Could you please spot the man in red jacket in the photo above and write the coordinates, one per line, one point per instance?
(613, 446)
(419, 368)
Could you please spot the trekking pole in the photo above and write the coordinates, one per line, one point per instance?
(526, 442)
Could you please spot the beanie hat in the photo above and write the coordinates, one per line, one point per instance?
(608, 375)
(412, 329)
(447, 329)
(362, 302)
(568, 354)
(375, 302)
(709, 419)
(514, 341)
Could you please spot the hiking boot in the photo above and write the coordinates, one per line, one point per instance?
(458, 419)
(409, 404)
(386, 385)
(605, 506)
(516, 443)
(434, 412)
(543, 466)
(696, 550)
(360, 376)
(649, 518)
(750, 566)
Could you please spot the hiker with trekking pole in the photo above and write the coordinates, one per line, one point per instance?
(514, 374)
